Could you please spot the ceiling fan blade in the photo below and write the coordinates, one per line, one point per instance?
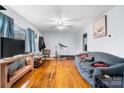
(76, 19)
(47, 20)
(52, 22)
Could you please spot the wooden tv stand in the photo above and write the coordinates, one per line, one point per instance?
(4, 83)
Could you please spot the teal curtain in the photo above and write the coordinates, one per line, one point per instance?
(6, 26)
(30, 41)
(2, 16)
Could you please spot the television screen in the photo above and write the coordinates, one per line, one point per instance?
(11, 47)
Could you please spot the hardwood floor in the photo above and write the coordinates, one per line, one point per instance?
(54, 74)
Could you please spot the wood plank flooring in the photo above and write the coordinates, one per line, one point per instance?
(54, 74)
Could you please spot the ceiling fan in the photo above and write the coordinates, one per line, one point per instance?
(61, 23)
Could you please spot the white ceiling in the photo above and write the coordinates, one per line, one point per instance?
(78, 15)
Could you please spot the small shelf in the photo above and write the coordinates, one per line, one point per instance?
(18, 74)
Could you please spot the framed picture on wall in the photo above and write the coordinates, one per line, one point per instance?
(100, 27)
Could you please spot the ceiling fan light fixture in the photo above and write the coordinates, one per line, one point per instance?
(62, 27)
(60, 22)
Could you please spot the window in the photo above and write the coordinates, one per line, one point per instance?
(19, 33)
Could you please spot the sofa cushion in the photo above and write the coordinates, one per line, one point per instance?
(100, 64)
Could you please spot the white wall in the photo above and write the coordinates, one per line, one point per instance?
(69, 39)
(20, 21)
(115, 27)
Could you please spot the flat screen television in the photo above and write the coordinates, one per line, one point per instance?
(10, 47)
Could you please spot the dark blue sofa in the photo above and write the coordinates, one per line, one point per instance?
(116, 66)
